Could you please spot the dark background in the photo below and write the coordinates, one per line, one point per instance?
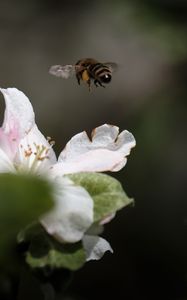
(148, 94)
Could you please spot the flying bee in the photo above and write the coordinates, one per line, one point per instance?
(87, 70)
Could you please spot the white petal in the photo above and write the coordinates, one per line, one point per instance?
(99, 160)
(19, 113)
(30, 146)
(73, 212)
(105, 135)
(95, 247)
(106, 151)
(6, 164)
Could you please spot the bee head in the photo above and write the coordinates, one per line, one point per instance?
(106, 78)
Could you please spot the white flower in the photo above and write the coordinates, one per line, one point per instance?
(23, 148)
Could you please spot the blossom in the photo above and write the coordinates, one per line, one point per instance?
(23, 148)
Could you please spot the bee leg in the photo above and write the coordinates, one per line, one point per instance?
(99, 82)
(96, 82)
(89, 84)
(78, 78)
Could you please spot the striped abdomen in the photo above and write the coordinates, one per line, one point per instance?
(100, 72)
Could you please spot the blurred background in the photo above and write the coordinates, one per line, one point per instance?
(147, 96)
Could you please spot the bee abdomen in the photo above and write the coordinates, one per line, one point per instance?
(94, 67)
(100, 71)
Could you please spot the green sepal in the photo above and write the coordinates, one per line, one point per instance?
(46, 252)
(106, 191)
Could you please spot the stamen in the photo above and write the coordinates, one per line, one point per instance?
(47, 150)
(27, 153)
(35, 154)
(40, 154)
(52, 143)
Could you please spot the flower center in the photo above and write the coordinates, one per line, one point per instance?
(34, 155)
(40, 153)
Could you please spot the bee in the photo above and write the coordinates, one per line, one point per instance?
(87, 70)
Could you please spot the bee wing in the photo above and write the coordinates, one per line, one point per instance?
(112, 66)
(62, 71)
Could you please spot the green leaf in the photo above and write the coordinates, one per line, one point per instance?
(45, 251)
(23, 198)
(107, 193)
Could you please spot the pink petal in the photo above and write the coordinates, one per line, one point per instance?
(18, 119)
(9, 142)
(18, 113)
